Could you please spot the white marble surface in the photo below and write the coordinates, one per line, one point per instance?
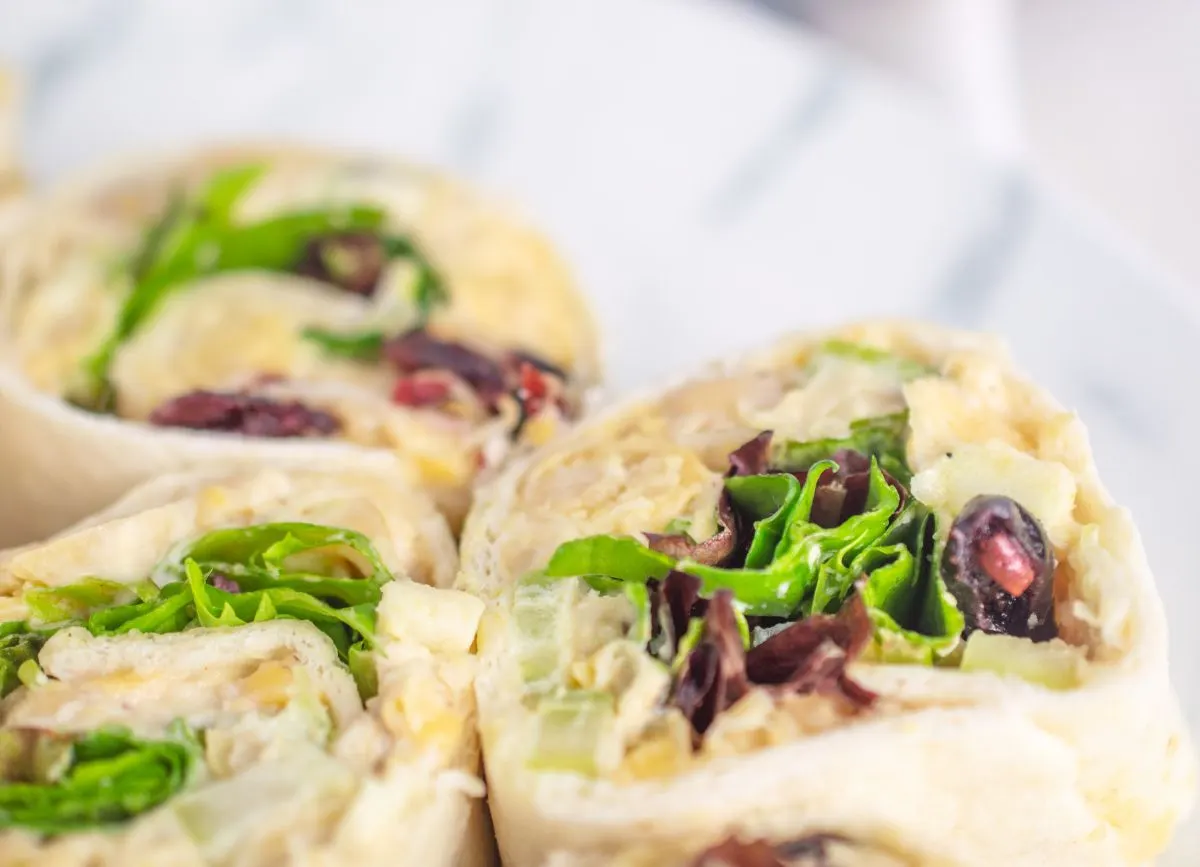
(715, 178)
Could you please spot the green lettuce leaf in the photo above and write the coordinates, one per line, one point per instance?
(361, 346)
(60, 604)
(612, 559)
(881, 437)
(109, 777)
(904, 368)
(430, 291)
(329, 576)
(327, 562)
(170, 611)
(216, 607)
(850, 544)
(775, 590)
(916, 618)
(772, 500)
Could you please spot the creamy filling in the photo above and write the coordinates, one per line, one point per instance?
(693, 639)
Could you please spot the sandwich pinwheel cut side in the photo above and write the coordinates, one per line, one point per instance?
(249, 305)
(241, 670)
(863, 587)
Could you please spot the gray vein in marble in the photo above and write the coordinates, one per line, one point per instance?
(477, 121)
(973, 276)
(750, 178)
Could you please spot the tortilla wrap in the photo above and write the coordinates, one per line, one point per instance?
(1070, 751)
(288, 763)
(257, 315)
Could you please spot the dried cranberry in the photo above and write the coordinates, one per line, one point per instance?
(234, 412)
(420, 390)
(1000, 567)
(517, 358)
(735, 853)
(810, 851)
(352, 261)
(417, 350)
(533, 390)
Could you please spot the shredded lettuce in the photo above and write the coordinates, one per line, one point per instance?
(104, 777)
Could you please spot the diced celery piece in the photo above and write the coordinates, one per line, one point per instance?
(571, 728)
(540, 622)
(1052, 664)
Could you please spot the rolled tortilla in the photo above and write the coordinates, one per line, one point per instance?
(333, 308)
(1067, 750)
(253, 701)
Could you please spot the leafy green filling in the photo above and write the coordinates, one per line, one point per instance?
(794, 567)
(329, 576)
(199, 238)
(881, 437)
(100, 778)
(360, 346)
(904, 369)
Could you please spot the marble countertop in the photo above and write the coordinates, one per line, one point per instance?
(715, 178)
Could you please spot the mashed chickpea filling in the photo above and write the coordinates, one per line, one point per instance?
(727, 631)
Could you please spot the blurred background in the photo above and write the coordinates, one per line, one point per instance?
(1101, 97)
(720, 170)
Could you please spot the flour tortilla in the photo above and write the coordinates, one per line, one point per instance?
(397, 782)
(508, 289)
(953, 768)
